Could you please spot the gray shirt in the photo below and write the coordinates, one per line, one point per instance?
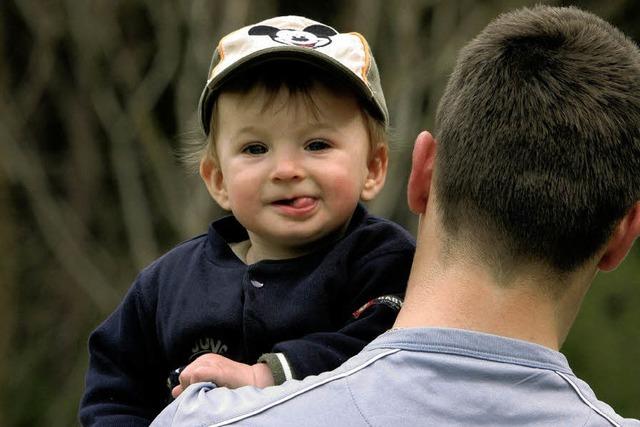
(413, 377)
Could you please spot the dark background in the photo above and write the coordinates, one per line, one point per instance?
(95, 97)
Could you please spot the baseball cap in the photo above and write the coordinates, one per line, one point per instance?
(295, 38)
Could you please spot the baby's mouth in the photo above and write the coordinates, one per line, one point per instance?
(296, 202)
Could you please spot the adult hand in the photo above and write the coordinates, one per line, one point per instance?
(223, 372)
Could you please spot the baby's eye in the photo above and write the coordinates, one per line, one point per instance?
(317, 145)
(254, 149)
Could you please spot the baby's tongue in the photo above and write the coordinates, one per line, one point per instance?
(302, 202)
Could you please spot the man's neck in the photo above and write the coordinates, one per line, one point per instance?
(464, 294)
(472, 304)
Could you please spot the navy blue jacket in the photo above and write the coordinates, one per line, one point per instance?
(199, 297)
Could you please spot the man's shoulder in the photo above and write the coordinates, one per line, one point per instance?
(319, 400)
(424, 376)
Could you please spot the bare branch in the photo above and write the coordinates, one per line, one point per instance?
(25, 167)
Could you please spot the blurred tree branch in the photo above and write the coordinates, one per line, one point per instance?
(25, 168)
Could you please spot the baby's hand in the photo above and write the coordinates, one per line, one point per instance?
(223, 372)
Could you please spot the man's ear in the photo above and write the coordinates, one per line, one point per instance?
(422, 160)
(378, 164)
(621, 241)
(214, 180)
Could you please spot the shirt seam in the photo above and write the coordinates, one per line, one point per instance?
(589, 415)
(461, 351)
(586, 401)
(355, 402)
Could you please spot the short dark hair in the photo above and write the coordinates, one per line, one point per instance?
(539, 135)
(299, 79)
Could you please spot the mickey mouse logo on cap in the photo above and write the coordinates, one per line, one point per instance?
(313, 36)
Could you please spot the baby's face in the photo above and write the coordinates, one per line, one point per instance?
(292, 175)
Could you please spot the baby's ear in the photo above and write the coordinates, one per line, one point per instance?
(377, 166)
(213, 178)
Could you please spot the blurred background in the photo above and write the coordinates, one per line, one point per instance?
(95, 98)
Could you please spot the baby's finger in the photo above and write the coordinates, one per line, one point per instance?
(176, 391)
(186, 377)
(201, 370)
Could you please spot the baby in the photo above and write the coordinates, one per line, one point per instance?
(300, 277)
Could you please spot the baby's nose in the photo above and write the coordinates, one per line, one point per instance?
(287, 169)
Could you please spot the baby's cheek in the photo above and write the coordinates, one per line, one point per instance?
(245, 185)
(244, 197)
(345, 191)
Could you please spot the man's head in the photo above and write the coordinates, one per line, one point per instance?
(296, 131)
(539, 137)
